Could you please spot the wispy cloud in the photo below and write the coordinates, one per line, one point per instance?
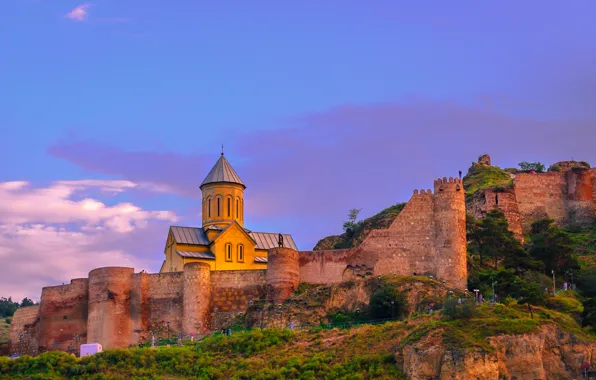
(79, 13)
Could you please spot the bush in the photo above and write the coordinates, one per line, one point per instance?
(8, 321)
(386, 302)
(454, 309)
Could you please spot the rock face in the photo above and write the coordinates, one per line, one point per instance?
(546, 354)
(484, 159)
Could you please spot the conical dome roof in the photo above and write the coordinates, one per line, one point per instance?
(222, 171)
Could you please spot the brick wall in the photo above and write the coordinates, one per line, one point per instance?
(323, 267)
(63, 313)
(26, 322)
(540, 196)
(165, 298)
(484, 201)
(232, 291)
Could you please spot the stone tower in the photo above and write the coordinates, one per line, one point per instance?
(197, 298)
(450, 230)
(283, 273)
(223, 196)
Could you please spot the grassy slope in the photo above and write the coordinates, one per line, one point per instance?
(381, 220)
(480, 176)
(4, 331)
(358, 353)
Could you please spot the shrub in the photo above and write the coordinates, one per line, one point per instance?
(386, 302)
(8, 321)
(453, 308)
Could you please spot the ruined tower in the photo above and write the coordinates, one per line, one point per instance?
(450, 230)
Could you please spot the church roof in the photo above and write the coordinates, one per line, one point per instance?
(222, 171)
(197, 236)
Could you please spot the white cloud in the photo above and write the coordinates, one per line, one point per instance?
(47, 238)
(79, 13)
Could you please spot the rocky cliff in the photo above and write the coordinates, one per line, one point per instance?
(548, 353)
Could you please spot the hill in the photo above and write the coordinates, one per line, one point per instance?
(4, 336)
(464, 340)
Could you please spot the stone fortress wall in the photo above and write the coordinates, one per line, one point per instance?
(567, 197)
(117, 307)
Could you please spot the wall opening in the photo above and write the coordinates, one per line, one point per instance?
(229, 252)
(240, 253)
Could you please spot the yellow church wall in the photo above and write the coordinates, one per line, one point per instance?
(232, 193)
(235, 236)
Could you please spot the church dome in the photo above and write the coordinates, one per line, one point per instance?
(222, 172)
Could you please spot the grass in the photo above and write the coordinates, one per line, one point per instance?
(4, 331)
(481, 176)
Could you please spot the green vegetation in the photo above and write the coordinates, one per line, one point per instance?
(258, 354)
(531, 166)
(356, 232)
(482, 176)
(566, 165)
(8, 306)
(386, 302)
(4, 331)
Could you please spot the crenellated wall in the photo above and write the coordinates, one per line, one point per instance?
(427, 237)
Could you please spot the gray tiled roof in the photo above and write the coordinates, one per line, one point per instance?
(267, 240)
(260, 259)
(197, 236)
(222, 171)
(198, 255)
(189, 235)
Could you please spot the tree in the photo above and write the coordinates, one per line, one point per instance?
(553, 246)
(491, 238)
(26, 302)
(529, 166)
(7, 307)
(386, 302)
(351, 223)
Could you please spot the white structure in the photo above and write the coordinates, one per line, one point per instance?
(90, 349)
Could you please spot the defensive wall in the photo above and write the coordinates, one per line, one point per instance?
(567, 197)
(118, 308)
(427, 237)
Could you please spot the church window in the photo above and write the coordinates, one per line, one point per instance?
(228, 252)
(241, 253)
(229, 207)
(237, 209)
(209, 207)
(218, 207)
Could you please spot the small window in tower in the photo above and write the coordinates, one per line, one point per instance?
(229, 207)
(218, 207)
(237, 209)
(228, 252)
(209, 207)
(240, 253)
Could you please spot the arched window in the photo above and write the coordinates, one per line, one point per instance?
(240, 253)
(228, 252)
(229, 207)
(237, 208)
(218, 206)
(209, 207)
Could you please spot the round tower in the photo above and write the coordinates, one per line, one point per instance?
(223, 195)
(283, 273)
(109, 322)
(197, 298)
(450, 231)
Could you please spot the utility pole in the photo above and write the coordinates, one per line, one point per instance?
(77, 339)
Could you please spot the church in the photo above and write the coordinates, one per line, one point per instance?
(222, 242)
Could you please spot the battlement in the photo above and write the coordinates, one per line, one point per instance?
(423, 192)
(448, 184)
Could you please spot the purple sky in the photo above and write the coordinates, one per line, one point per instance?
(114, 111)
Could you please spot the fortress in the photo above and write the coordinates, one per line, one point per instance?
(205, 280)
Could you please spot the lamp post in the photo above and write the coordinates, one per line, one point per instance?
(554, 285)
(392, 312)
(77, 339)
(494, 299)
(570, 272)
(476, 291)
(168, 323)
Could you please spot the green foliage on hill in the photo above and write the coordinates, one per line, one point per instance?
(4, 331)
(356, 232)
(481, 176)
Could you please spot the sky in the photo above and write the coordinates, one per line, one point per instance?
(113, 111)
